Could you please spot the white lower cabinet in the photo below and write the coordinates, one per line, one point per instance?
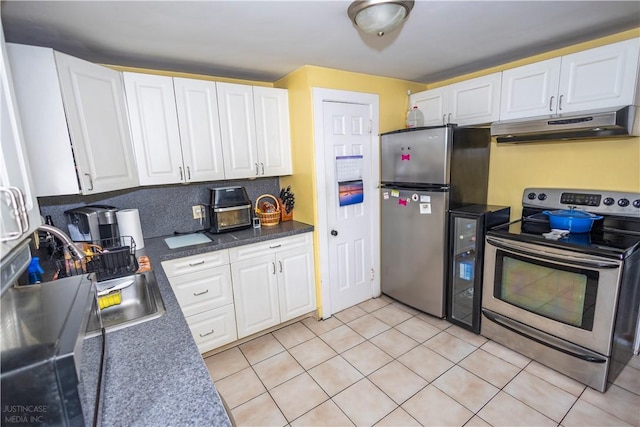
(273, 282)
(202, 285)
(230, 294)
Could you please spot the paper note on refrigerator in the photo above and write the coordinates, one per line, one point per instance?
(425, 208)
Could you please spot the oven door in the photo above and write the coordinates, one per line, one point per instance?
(565, 294)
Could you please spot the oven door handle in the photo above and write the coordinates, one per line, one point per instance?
(528, 252)
(544, 339)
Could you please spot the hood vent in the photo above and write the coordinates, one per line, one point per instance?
(618, 122)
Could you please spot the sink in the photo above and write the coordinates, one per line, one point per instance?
(141, 302)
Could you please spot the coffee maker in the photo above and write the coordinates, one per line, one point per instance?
(94, 223)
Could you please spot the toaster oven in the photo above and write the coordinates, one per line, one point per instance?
(230, 209)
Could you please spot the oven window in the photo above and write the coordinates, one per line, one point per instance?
(558, 292)
(233, 218)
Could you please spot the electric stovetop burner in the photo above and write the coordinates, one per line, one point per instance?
(616, 235)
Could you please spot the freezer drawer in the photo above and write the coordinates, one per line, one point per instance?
(414, 235)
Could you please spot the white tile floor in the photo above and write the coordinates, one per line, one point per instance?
(382, 363)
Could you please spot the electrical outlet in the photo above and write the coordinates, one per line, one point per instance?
(198, 211)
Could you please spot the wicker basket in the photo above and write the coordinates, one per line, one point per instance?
(268, 218)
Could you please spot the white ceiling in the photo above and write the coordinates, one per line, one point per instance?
(266, 40)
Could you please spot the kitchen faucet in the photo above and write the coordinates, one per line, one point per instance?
(66, 241)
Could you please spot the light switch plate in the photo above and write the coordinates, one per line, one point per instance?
(198, 211)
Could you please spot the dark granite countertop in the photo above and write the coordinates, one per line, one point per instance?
(155, 373)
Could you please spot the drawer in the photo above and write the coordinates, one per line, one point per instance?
(191, 264)
(203, 290)
(241, 253)
(213, 328)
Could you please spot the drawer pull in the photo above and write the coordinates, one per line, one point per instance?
(191, 264)
(275, 246)
(208, 333)
(195, 294)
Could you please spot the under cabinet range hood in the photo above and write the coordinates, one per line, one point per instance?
(614, 122)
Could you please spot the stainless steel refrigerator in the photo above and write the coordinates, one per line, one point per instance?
(425, 173)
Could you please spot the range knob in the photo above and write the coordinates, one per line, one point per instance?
(608, 201)
(623, 203)
(542, 196)
(531, 196)
(636, 203)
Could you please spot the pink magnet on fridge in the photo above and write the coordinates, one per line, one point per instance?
(402, 202)
(405, 157)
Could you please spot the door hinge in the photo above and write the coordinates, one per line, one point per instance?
(373, 274)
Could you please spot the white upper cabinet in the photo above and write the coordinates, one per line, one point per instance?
(254, 123)
(19, 213)
(469, 102)
(74, 116)
(175, 128)
(237, 126)
(273, 134)
(530, 90)
(197, 105)
(602, 77)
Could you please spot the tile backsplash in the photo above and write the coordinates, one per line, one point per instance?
(163, 209)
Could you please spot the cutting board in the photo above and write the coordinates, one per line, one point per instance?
(186, 240)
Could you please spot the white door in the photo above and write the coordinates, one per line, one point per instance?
(346, 133)
(255, 294)
(94, 103)
(601, 77)
(273, 132)
(197, 105)
(530, 90)
(296, 284)
(154, 127)
(238, 130)
(434, 105)
(475, 101)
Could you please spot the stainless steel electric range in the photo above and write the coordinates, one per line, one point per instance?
(569, 301)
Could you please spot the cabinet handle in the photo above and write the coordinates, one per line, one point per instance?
(449, 118)
(90, 182)
(205, 334)
(280, 262)
(188, 173)
(181, 176)
(21, 206)
(273, 264)
(196, 294)
(191, 264)
(560, 102)
(256, 169)
(444, 119)
(16, 212)
(262, 165)
(275, 246)
(551, 103)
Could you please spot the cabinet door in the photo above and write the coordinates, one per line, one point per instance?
(94, 104)
(154, 127)
(197, 105)
(255, 294)
(475, 101)
(203, 290)
(434, 105)
(603, 77)
(18, 205)
(296, 284)
(213, 328)
(237, 127)
(44, 124)
(530, 90)
(273, 134)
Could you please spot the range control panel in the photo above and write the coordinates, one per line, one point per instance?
(595, 201)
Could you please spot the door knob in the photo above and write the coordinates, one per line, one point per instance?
(334, 233)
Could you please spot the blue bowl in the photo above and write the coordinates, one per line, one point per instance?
(573, 220)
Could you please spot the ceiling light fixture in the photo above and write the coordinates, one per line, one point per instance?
(379, 16)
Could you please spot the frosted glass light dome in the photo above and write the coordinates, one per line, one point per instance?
(379, 16)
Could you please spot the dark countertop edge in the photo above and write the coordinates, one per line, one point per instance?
(155, 372)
